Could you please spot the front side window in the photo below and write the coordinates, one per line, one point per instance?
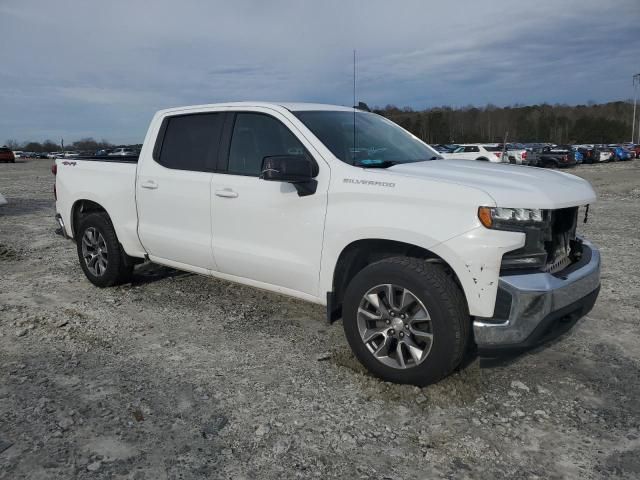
(191, 141)
(256, 136)
(365, 138)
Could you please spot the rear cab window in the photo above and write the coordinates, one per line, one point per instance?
(190, 142)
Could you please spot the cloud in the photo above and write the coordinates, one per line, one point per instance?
(82, 68)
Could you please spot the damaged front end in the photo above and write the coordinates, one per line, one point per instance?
(550, 245)
(544, 286)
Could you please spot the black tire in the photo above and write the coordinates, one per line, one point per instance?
(443, 299)
(119, 269)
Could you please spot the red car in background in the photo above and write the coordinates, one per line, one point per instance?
(6, 155)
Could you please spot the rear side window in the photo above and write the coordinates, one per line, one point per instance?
(191, 141)
(471, 148)
(256, 136)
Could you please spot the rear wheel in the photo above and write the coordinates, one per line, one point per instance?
(406, 320)
(101, 257)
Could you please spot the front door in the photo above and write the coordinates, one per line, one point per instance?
(263, 230)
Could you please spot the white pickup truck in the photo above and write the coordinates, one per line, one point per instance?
(423, 259)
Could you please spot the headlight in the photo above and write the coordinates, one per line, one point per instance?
(501, 218)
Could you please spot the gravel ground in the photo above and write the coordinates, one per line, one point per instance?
(181, 376)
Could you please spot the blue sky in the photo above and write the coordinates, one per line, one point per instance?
(95, 68)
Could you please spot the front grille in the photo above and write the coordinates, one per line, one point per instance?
(560, 238)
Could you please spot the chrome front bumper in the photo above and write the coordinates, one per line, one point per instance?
(534, 307)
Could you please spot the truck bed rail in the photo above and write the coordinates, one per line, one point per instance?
(107, 158)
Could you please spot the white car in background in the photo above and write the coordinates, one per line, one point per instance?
(517, 153)
(604, 154)
(488, 152)
(122, 152)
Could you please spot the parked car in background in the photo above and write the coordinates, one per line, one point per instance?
(476, 151)
(17, 153)
(70, 154)
(122, 151)
(442, 148)
(601, 153)
(3, 201)
(6, 155)
(561, 156)
(588, 153)
(517, 153)
(619, 153)
(578, 155)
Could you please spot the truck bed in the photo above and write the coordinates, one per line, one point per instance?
(107, 181)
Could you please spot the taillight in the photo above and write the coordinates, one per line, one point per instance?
(498, 154)
(54, 168)
(565, 158)
(524, 155)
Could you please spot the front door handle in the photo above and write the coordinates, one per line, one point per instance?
(150, 184)
(226, 193)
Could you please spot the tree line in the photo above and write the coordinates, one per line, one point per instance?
(562, 124)
(84, 144)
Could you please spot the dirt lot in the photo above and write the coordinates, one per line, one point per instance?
(182, 376)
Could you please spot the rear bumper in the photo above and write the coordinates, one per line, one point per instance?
(534, 308)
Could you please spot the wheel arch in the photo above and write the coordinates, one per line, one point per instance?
(82, 207)
(358, 254)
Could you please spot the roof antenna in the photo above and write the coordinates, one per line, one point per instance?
(354, 104)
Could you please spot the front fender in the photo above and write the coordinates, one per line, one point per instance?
(475, 257)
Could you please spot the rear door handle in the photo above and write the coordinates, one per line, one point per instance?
(150, 184)
(227, 193)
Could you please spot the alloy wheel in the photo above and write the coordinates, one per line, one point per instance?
(395, 326)
(94, 251)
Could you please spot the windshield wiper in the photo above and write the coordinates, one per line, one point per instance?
(371, 163)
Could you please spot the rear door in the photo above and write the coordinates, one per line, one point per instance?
(263, 230)
(173, 190)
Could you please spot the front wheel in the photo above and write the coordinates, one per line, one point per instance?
(406, 320)
(101, 256)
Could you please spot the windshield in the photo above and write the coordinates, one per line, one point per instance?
(372, 140)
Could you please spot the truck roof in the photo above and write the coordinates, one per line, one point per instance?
(292, 106)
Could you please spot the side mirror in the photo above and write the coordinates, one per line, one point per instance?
(298, 170)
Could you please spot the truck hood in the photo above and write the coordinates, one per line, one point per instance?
(513, 186)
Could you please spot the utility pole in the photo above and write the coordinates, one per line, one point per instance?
(636, 83)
